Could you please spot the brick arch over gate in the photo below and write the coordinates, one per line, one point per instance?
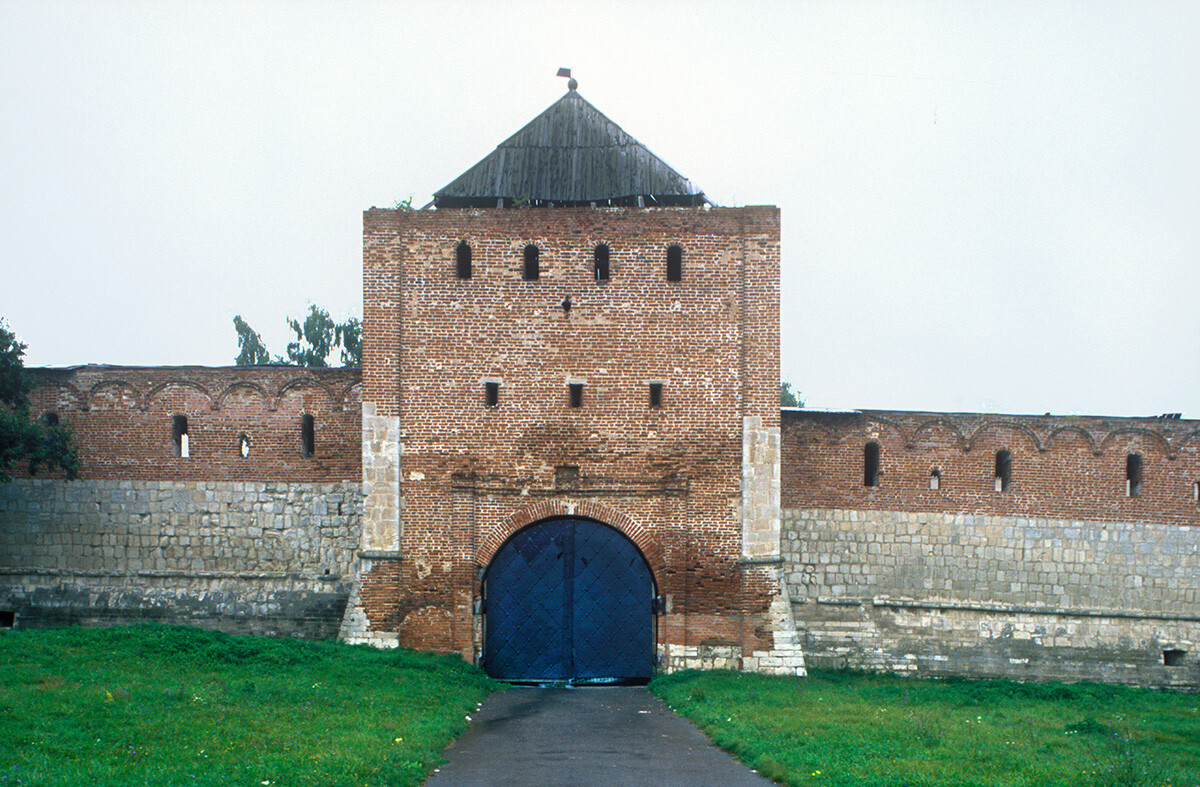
(548, 509)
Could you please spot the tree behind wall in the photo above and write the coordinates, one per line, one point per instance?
(316, 336)
(23, 440)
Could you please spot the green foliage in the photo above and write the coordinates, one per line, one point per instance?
(168, 705)
(22, 439)
(404, 204)
(788, 398)
(251, 349)
(316, 337)
(856, 730)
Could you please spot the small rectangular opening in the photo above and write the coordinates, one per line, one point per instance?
(308, 437)
(1174, 658)
(566, 477)
(532, 268)
(1133, 475)
(575, 390)
(675, 263)
(491, 394)
(1003, 470)
(601, 262)
(656, 390)
(935, 478)
(8, 618)
(871, 464)
(179, 435)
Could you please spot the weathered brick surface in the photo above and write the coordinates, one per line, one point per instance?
(122, 421)
(669, 477)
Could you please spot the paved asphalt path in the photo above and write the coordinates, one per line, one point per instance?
(585, 736)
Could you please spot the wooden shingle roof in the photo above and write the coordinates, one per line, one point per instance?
(571, 154)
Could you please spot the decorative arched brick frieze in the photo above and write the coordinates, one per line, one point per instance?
(78, 400)
(348, 392)
(828, 433)
(944, 423)
(1190, 437)
(879, 420)
(243, 385)
(986, 426)
(307, 382)
(179, 383)
(1052, 438)
(139, 402)
(1154, 437)
(495, 537)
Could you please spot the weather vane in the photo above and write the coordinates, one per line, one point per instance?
(572, 83)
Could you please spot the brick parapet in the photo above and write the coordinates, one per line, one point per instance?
(1063, 467)
(121, 418)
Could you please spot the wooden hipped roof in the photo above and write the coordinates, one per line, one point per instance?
(571, 154)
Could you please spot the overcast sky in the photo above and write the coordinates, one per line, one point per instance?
(986, 206)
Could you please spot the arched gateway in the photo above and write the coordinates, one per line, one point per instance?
(569, 599)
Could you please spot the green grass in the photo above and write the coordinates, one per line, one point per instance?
(883, 731)
(161, 705)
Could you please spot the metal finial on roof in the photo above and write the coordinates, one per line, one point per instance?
(572, 83)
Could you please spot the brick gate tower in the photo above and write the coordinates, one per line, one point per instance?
(571, 417)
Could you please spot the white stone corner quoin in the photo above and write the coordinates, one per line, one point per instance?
(761, 533)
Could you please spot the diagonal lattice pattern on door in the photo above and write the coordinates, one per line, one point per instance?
(569, 600)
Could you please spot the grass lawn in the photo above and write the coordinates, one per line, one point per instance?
(858, 730)
(161, 705)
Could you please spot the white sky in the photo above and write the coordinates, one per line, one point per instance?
(986, 206)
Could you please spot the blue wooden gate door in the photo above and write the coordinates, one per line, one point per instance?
(569, 600)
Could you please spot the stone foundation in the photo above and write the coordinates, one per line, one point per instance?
(251, 557)
(993, 596)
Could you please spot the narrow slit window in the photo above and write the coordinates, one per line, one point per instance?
(675, 263)
(575, 391)
(307, 435)
(462, 260)
(935, 478)
(601, 262)
(1196, 492)
(532, 265)
(179, 435)
(1003, 470)
(656, 390)
(491, 394)
(243, 446)
(50, 419)
(1133, 475)
(871, 464)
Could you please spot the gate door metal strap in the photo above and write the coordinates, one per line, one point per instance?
(569, 600)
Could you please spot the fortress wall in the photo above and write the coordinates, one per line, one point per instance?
(996, 596)
(1063, 573)
(252, 557)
